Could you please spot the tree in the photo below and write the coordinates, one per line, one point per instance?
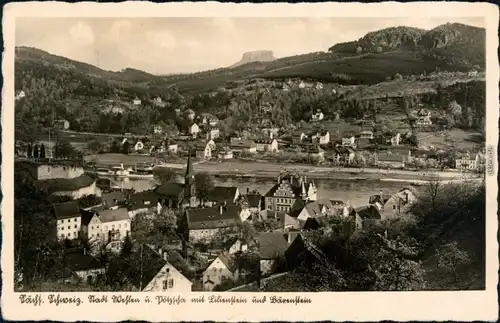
(126, 148)
(64, 150)
(450, 257)
(163, 175)
(114, 147)
(94, 146)
(433, 190)
(42, 151)
(204, 185)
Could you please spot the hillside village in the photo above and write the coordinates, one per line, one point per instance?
(79, 128)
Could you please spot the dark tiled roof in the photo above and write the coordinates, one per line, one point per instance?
(266, 141)
(67, 210)
(114, 215)
(113, 199)
(368, 212)
(222, 194)
(295, 185)
(242, 143)
(86, 217)
(140, 200)
(272, 245)
(77, 261)
(212, 217)
(170, 190)
(254, 200)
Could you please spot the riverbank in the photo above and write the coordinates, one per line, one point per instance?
(241, 169)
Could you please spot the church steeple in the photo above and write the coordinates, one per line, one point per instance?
(189, 184)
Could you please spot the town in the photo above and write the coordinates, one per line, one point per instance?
(260, 183)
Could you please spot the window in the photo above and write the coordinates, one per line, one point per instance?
(208, 277)
(171, 283)
(62, 236)
(98, 234)
(97, 226)
(168, 270)
(69, 226)
(394, 207)
(69, 234)
(75, 219)
(125, 225)
(75, 226)
(165, 284)
(223, 278)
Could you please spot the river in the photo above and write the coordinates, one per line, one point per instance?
(354, 192)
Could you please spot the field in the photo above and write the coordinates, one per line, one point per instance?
(451, 140)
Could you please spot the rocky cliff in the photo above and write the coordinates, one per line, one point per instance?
(255, 56)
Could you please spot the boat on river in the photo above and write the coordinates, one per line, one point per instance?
(138, 171)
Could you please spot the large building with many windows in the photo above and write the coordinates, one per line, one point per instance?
(290, 192)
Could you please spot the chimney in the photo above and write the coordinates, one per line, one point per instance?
(159, 251)
(165, 256)
(248, 190)
(381, 196)
(271, 134)
(221, 209)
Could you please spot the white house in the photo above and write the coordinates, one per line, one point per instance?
(115, 224)
(319, 86)
(317, 116)
(321, 137)
(68, 220)
(267, 145)
(204, 151)
(467, 161)
(219, 271)
(20, 95)
(136, 101)
(193, 129)
(139, 145)
(205, 223)
(158, 130)
(349, 140)
(155, 273)
(91, 225)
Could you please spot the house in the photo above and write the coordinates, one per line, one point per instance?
(83, 265)
(223, 268)
(145, 202)
(348, 140)
(390, 160)
(158, 102)
(366, 134)
(153, 272)
(91, 225)
(290, 192)
(206, 223)
(204, 151)
(399, 203)
(369, 214)
(223, 194)
(193, 129)
(138, 146)
(170, 146)
(319, 86)
(272, 247)
(315, 209)
(136, 101)
(213, 133)
(271, 132)
(68, 220)
(61, 124)
(254, 200)
(234, 246)
(314, 151)
(113, 200)
(243, 145)
(299, 136)
(467, 161)
(266, 145)
(302, 85)
(343, 155)
(392, 138)
(288, 222)
(321, 137)
(158, 130)
(317, 116)
(302, 252)
(115, 224)
(171, 194)
(225, 153)
(20, 95)
(208, 119)
(423, 118)
(472, 73)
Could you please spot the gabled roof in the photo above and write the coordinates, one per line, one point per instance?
(368, 212)
(170, 189)
(66, 210)
(347, 134)
(113, 198)
(228, 261)
(287, 220)
(114, 215)
(294, 181)
(86, 217)
(266, 141)
(78, 260)
(140, 200)
(149, 263)
(213, 217)
(272, 245)
(314, 208)
(242, 143)
(254, 200)
(222, 194)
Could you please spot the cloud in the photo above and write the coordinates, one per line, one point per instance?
(120, 28)
(82, 34)
(161, 38)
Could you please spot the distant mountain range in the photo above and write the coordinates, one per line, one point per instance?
(368, 60)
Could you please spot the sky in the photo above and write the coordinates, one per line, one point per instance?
(185, 45)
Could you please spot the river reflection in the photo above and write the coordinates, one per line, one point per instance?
(354, 192)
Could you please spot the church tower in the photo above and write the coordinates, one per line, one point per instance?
(189, 184)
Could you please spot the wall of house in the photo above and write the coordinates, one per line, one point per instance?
(217, 272)
(84, 274)
(94, 229)
(197, 235)
(266, 266)
(145, 210)
(170, 278)
(84, 191)
(68, 228)
(272, 203)
(51, 171)
(123, 226)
